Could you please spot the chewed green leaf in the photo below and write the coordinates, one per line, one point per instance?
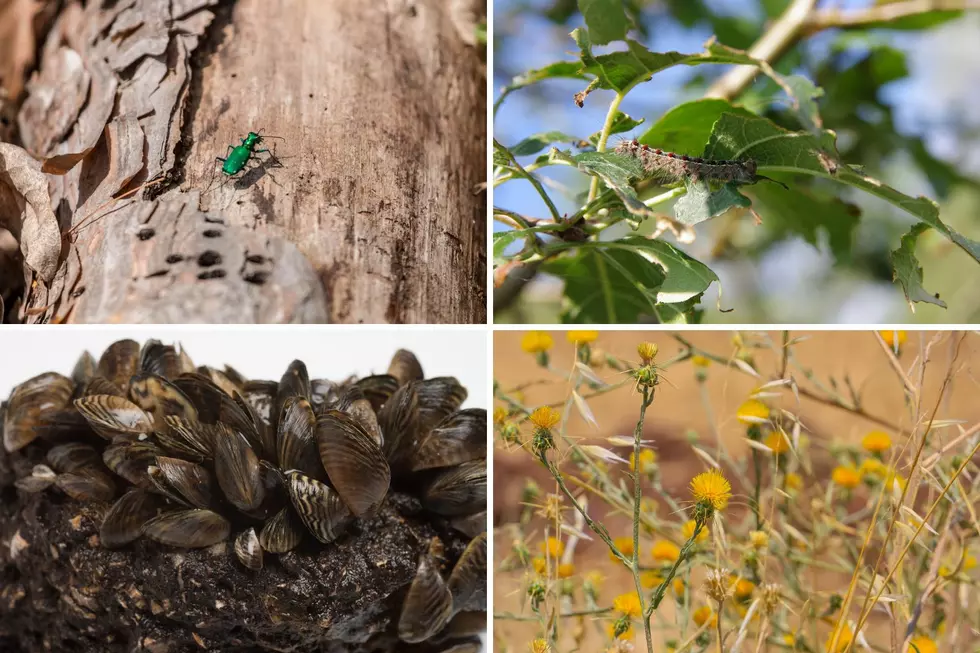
(621, 123)
(606, 20)
(735, 136)
(805, 213)
(686, 128)
(628, 280)
(537, 142)
(617, 171)
(701, 203)
(622, 70)
(908, 272)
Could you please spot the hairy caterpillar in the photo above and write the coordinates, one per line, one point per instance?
(669, 166)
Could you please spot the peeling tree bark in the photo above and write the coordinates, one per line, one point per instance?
(373, 214)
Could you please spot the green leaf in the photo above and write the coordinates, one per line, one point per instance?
(605, 19)
(630, 279)
(621, 123)
(908, 273)
(701, 203)
(537, 142)
(617, 171)
(800, 212)
(622, 70)
(736, 137)
(687, 127)
(924, 20)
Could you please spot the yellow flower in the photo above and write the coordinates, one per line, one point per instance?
(703, 614)
(752, 411)
(777, 442)
(922, 644)
(540, 565)
(627, 634)
(664, 551)
(873, 467)
(651, 579)
(647, 351)
(628, 605)
(744, 588)
(789, 640)
(553, 547)
(793, 481)
(846, 477)
(545, 417)
(582, 337)
(535, 342)
(969, 563)
(648, 458)
(876, 441)
(711, 487)
(625, 545)
(678, 586)
(540, 646)
(566, 570)
(700, 361)
(894, 478)
(687, 530)
(846, 635)
(893, 337)
(499, 415)
(759, 539)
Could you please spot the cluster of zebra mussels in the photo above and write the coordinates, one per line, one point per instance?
(193, 456)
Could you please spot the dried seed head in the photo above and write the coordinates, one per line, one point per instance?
(718, 585)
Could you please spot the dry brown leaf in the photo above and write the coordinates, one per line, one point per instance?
(17, 44)
(25, 210)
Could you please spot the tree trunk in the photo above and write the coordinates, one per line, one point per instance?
(367, 210)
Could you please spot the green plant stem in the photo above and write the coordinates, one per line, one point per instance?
(604, 135)
(648, 393)
(661, 591)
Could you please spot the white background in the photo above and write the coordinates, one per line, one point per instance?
(262, 352)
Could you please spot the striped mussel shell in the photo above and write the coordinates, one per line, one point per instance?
(189, 457)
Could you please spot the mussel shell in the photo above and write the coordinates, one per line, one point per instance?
(438, 398)
(99, 385)
(405, 367)
(354, 403)
(458, 491)
(377, 388)
(29, 405)
(471, 525)
(41, 478)
(459, 438)
(84, 370)
(295, 382)
(119, 362)
(238, 471)
(261, 395)
(206, 397)
(466, 646)
(220, 379)
(319, 507)
(131, 460)
(72, 456)
(248, 549)
(189, 439)
(324, 392)
(158, 396)
(124, 521)
(188, 528)
(399, 420)
(428, 605)
(282, 533)
(159, 359)
(468, 580)
(354, 462)
(110, 416)
(296, 440)
(87, 484)
(258, 433)
(189, 480)
(463, 624)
